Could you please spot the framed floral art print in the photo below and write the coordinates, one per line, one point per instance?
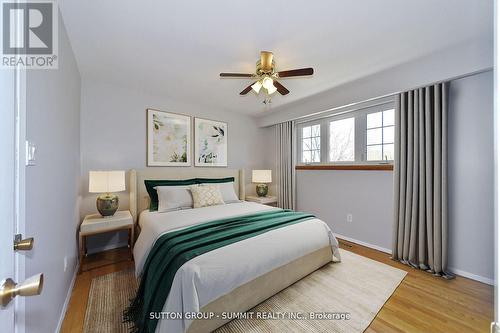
(169, 139)
(210, 147)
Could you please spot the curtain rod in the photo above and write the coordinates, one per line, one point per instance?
(331, 111)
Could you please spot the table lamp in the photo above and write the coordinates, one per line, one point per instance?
(107, 183)
(262, 178)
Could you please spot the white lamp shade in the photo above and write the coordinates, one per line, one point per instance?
(261, 176)
(106, 181)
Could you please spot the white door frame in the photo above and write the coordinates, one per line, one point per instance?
(15, 136)
(496, 128)
(20, 184)
(20, 87)
(7, 195)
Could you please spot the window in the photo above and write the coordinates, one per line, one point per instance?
(311, 144)
(359, 137)
(342, 140)
(380, 136)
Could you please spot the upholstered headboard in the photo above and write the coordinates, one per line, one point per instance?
(139, 198)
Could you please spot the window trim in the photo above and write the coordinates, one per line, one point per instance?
(299, 143)
(328, 122)
(360, 139)
(365, 167)
(382, 142)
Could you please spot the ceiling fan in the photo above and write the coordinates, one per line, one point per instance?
(266, 76)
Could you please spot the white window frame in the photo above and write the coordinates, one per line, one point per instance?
(359, 136)
(382, 161)
(299, 142)
(356, 143)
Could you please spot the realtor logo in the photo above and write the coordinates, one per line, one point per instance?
(29, 34)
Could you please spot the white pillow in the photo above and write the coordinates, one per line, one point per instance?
(227, 191)
(173, 198)
(206, 195)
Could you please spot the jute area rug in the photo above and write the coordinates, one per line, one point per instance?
(355, 289)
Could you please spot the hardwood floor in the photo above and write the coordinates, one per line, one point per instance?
(422, 303)
(75, 315)
(425, 303)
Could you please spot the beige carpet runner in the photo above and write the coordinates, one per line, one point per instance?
(357, 286)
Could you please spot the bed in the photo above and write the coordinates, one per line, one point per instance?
(233, 278)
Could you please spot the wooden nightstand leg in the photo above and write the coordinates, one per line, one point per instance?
(82, 252)
(130, 240)
(85, 253)
(80, 257)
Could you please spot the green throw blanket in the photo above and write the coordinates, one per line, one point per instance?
(175, 248)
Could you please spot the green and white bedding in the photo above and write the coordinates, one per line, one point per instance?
(212, 274)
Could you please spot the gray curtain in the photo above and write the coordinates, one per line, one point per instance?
(420, 236)
(285, 164)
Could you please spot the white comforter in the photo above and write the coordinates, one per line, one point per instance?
(214, 274)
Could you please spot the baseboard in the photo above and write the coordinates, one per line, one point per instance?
(68, 298)
(472, 276)
(106, 247)
(371, 246)
(453, 270)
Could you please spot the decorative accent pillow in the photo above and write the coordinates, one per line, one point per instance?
(173, 198)
(153, 195)
(227, 191)
(206, 195)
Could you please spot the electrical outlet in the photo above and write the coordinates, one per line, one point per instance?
(349, 218)
(65, 263)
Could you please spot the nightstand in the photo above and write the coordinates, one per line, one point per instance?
(269, 200)
(96, 224)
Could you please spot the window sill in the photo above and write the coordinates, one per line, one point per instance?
(364, 167)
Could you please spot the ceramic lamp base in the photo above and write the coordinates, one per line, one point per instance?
(262, 190)
(107, 204)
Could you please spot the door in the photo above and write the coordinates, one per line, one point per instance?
(7, 185)
(12, 169)
(13, 160)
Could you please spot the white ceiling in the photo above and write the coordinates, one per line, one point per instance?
(178, 48)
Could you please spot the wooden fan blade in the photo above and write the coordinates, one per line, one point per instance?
(235, 75)
(281, 89)
(296, 72)
(266, 61)
(247, 89)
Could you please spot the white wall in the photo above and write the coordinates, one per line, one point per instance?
(470, 184)
(52, 186)
(113, 136)
(368, 195)
(469, 57)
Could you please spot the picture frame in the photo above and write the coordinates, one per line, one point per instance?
(210, 143)
(168, 138)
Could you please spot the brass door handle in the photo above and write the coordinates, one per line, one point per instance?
(23, 244)
(30, 287)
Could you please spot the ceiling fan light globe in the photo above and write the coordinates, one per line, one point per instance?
(271, 90)
(256, 86)
(267, 82)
